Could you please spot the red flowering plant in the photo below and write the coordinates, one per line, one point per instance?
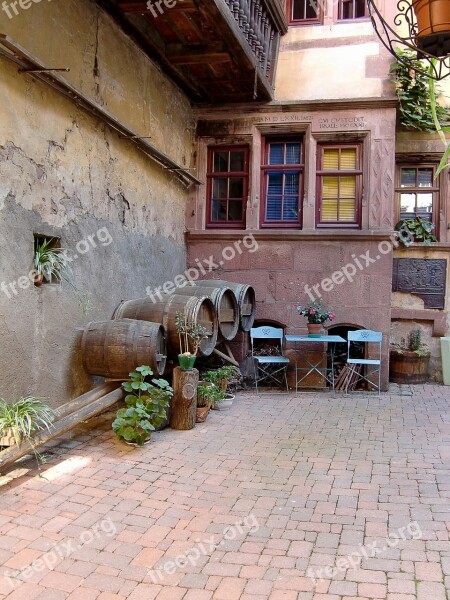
(315, 313)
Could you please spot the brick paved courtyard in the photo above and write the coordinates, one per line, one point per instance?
(288, 498)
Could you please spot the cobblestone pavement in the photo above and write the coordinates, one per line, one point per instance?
(307, 497)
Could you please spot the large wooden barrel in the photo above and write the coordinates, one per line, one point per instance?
(245, 296)
(114, 348)
(226, 306)
(198, 309)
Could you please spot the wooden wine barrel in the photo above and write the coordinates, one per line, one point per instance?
(226, 306)
(114, 348)
(198, 309)
(245, 296)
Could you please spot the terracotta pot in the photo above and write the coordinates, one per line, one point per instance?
(433, 26)
(314, 329)
(408, 367)
(202, 413)
(38, 280)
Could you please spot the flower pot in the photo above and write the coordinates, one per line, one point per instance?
(408, 367)
(227, 402)
(38, 280)
(7, 439)
(314, 329)
(202, 413)
(433, 26)
(186, 362)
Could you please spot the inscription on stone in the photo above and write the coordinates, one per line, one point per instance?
(423, 277)
(342, 123)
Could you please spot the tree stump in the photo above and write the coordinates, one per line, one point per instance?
(184, 401)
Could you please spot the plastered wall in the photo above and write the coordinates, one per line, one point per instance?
(64, 173)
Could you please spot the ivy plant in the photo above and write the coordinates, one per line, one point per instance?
(416, 95)
(415, 230)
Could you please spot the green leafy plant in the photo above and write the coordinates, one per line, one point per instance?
(50, 262)
(415, 230)
(190, 334)
(415, 94)
(147, 404)
(25, 416)
(413, 343)
(205, 394)
(315, 313)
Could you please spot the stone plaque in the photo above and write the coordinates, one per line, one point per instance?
(423, 277)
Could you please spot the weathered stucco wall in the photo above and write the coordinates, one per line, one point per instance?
(63, 173)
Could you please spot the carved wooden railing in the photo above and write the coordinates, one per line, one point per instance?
(262, 22)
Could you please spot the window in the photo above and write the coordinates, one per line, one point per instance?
(339, 185)
(282, 181)
(304, 11)
(227, 186)
(418, 192)
(352, 9)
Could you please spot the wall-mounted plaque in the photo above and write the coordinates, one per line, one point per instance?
(423, 277)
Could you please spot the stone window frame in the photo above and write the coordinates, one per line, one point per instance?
(359, 182)
(440, 192)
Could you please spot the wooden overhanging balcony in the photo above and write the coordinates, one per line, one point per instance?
(217, 51)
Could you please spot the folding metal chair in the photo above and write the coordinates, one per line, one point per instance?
(270, 368)
(372, 365)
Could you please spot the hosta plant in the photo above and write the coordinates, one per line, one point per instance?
(146, 406)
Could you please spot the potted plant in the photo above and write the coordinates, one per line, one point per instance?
(147, 404)
(49, 262)
(190, 335)
(316, 316)
(217, 392)
(433, 20)
(409, 360)
(205, 396)
(415, 230)
(22, 418)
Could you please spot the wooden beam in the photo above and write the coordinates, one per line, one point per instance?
(64, 424)
(185, 54)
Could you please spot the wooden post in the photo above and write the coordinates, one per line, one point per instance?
(184, 401)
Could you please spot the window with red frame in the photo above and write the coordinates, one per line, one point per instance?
(282, 180)
(339, 185)
(227, 186)
(352, 9)
(418, 192)
(304, 12)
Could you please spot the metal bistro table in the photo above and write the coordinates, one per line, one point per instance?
(323, 371)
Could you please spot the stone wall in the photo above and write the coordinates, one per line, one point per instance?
(64, 173)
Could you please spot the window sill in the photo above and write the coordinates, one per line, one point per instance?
(288, 234)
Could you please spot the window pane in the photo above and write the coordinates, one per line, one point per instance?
(329, 210)
(407, 203)
(291, 183)
(237, 161)
(348, 159)
(425, 177)
(330, 187)
(408, 178)
(219, 211)
(273, 208)
(360, 8)
(275, 185)
(424, 204)
(219, 188)
(347, 210)
(290, 210)
(347, 187)
(276, 154)
(236, 187)
(235, 210)
(220, 162)
(292, 154)
(330, 159)
(312, 9)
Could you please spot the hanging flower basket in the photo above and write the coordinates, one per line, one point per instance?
(433, 26)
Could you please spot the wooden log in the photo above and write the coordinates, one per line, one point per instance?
(225, 357)
(61, 426)
(184, 401)
(85, 399)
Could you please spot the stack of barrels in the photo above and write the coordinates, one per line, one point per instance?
(143, 331)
